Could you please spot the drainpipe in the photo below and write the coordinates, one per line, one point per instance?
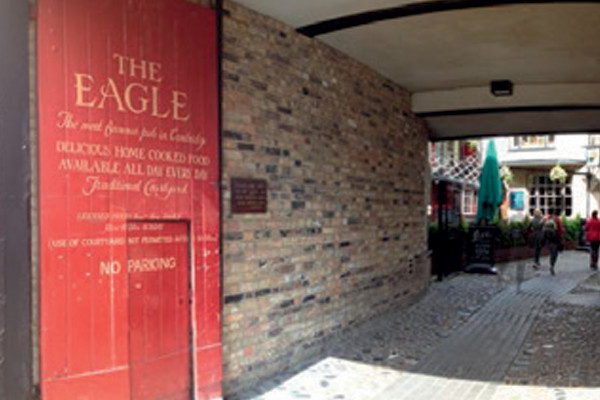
(588, 178)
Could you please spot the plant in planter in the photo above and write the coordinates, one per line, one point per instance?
(511, 234)
(506, 174)
(470, 147)
(572, 227)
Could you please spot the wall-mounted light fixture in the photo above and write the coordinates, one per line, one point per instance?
(501, 88)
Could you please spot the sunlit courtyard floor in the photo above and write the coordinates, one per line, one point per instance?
(337, 379)
(476, 337)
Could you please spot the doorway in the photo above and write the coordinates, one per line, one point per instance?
(158, 265)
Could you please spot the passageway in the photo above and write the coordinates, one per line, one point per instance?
(470, 337)
(292, 156)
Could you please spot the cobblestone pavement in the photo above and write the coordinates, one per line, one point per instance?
(402, 338)
(484, 347)
(563, 347)
(460, 339)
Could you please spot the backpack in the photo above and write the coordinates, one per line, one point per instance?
(550, 230)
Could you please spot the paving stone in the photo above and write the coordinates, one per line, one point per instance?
(564, 348)
(470, 337)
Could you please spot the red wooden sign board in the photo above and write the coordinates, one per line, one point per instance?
(129, 201)
(159, 323)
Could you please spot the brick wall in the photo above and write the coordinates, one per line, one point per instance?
(344, 237)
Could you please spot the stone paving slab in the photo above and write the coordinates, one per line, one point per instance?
(562, 348)
(506, 392)
(456, 343)
(485, 346)
(337, 379)
(586, 293)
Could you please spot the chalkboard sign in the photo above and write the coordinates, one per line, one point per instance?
(481, 246)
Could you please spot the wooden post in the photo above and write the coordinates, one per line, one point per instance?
(15, 229)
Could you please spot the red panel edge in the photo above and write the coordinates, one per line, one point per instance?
(102, 385)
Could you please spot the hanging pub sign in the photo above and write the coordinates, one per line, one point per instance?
(517, 200)
(129, 201)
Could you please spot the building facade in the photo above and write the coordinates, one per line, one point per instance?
(530, 160)
(456, 163)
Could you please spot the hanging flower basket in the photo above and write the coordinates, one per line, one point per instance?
(470, 148)
(506, 174)
(557, 173)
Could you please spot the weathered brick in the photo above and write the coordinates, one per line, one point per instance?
(233, 298)
(345, 160)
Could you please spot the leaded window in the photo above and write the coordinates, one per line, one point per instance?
(533, 142)
(549, 196)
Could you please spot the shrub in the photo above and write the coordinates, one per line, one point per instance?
(511, 234)
(514, 233)
(572, 227)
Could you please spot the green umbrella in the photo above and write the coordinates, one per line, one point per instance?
(489, 196)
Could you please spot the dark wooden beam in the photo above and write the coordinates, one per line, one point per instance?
(15, 264)
(504, 110)
(413, 9)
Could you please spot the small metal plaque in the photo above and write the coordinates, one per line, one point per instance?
(248, 196)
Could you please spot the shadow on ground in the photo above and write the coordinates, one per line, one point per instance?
(470, 337)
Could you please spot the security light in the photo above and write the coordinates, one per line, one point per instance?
(501, 88)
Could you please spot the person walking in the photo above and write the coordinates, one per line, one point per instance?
(554, 232)
(592, 235)
(537, 236)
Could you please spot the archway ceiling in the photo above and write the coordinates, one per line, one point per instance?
(446, 53)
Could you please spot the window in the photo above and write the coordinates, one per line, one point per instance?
(592, 157)
(594, 140)
(432, 152)
(446, 151)
(549, 196)
(469, 202)
(533, 142)
(453, 150)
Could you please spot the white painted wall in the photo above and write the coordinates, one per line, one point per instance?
(566, 147)
(582, 197)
